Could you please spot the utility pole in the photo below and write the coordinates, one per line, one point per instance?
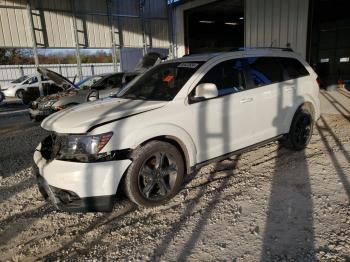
(76, 39)
(170, 10)
(142, 18)
(112, 30)
(34, 44)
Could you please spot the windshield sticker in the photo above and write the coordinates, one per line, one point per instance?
(188, 65)
(168, 79)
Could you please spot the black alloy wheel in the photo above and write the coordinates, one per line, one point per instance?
(303, 127)
(301, 130)
(157, 176)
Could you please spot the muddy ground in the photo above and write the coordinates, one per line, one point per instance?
(270, 204)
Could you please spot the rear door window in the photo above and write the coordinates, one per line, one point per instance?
(294, 68)
(265, 70)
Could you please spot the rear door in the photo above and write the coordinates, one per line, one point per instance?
(273, 95)
(297, 85)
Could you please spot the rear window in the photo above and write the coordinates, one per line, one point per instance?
(294, 68)
(265, 70)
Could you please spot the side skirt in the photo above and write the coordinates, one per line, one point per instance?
(237, 152)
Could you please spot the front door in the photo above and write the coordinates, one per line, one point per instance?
(225, 123)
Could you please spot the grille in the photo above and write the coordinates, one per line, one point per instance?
(57, 143)
(42, 106)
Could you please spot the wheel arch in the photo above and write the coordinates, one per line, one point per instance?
(166, 132)
(19, 90)
(305, 104)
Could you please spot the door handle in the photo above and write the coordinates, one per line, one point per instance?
(247, 100)
(289, 89)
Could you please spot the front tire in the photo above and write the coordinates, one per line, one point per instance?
(19, 93)
(155, 175)
(301, 130)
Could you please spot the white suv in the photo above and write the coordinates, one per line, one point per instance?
(170, 121)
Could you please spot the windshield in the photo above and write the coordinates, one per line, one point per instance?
(162, 82)
(19, 80)
(88, 82)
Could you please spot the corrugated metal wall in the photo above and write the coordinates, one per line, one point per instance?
(14, 24)
(129, 27)
(277, 23)
(53, 25)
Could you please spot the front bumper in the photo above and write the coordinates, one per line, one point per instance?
(9, 92)
(39, 114)
(79, 187)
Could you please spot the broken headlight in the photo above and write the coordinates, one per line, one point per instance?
(82, 148)
(49, 103)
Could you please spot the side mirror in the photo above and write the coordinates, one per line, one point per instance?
(93, 95)
(205, 91)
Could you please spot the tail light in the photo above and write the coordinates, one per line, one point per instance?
(318, 82)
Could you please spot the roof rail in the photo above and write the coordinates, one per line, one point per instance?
(287, 49)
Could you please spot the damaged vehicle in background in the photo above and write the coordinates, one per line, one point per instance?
(18, 87)
(89, 90)
(175, 118)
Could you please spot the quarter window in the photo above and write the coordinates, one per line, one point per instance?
(294, 68)
(227, 76)
(265, 70)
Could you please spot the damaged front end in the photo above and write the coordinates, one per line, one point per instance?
(47, 105)
(64, 187)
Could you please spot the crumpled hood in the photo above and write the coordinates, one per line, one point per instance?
(79, 119)
(57, 96)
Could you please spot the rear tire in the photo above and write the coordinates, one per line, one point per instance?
(300, 132)
(155, 175)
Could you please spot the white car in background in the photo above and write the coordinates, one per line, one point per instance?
(17, 87)
(170, 121)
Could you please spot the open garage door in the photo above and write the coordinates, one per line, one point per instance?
(330, 42)
(218, 26)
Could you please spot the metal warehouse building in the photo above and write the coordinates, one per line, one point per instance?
(317, 29)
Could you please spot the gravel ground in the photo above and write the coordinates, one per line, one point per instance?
(270, 204)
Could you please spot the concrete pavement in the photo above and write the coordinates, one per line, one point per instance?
(335, 102)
